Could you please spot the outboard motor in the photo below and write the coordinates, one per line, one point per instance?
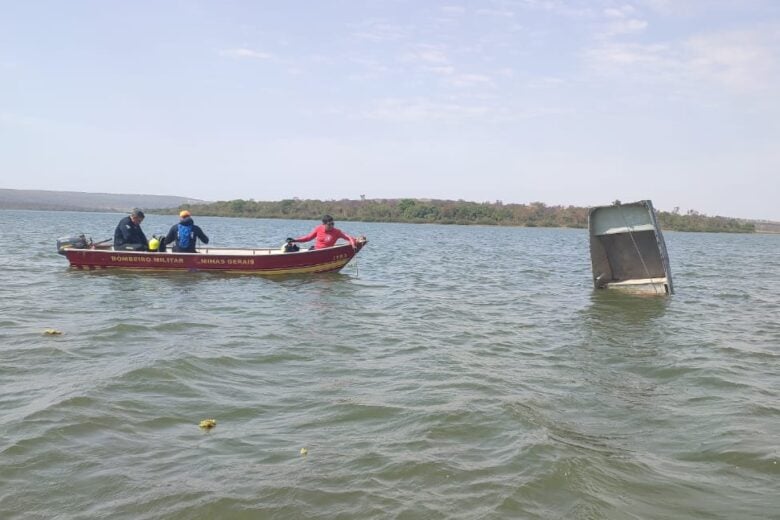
(74, 242)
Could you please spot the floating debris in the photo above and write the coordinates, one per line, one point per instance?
(52, 332)
(304, 452)
(208, 424)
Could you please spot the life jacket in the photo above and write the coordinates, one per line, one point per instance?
(186, 237)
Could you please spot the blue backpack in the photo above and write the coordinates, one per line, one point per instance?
(185, 236)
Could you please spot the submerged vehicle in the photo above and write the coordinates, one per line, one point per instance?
(627, 249)
(82, 253)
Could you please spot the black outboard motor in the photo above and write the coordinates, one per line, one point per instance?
(74, 242)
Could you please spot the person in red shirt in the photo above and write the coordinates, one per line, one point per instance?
(326, 235)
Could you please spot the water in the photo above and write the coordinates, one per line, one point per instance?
(457, 372)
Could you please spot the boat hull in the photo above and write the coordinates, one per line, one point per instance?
(268, 262)
(627, 249)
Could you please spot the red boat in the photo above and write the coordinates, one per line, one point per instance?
(83, 254)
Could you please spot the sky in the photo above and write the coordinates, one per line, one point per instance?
(564, 102)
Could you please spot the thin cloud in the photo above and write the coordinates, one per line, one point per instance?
(244, 53)
(629, 26)
(745, 61)
(688, 8)
(624, 11)
(545, 83)
(444, 70)
(621, 20)
(457, 109)
(41, 124)
(426, 55)
(379, 32)
(369, 69)
(454, 10)
(614, 57)
(501, 13)
(559, 7)
(6, 118)
(741, 62)
(419, 110)
(470, 80)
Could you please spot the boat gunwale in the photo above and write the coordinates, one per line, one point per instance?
(214, 251)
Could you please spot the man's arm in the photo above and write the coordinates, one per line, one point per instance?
(201, 235)
(170, 238)
(343, 235)
(308, 237)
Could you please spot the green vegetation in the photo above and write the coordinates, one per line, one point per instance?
(535, 214)
(695, 221)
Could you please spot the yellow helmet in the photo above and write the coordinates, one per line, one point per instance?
(154, 244)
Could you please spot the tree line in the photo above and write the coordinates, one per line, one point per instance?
(535, 214)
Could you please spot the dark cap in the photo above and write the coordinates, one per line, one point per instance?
(137, 213)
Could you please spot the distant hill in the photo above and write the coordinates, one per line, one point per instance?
(81, 201)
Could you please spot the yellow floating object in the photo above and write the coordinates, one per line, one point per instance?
(52, 332)
(208, 424)
(304, 451)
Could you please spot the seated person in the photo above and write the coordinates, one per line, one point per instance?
(184, 234)
(128, 235)
(326, 235)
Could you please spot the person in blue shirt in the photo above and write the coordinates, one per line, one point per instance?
(184, 234)
(128, 235)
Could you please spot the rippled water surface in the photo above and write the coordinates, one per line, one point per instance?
(454, 372)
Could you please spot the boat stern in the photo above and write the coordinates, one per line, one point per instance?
(627, 249)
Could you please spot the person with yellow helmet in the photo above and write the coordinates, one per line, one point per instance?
(185, 234)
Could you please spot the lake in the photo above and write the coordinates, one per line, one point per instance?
(450, 372)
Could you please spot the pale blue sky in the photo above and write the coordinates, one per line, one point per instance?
(563, 102)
